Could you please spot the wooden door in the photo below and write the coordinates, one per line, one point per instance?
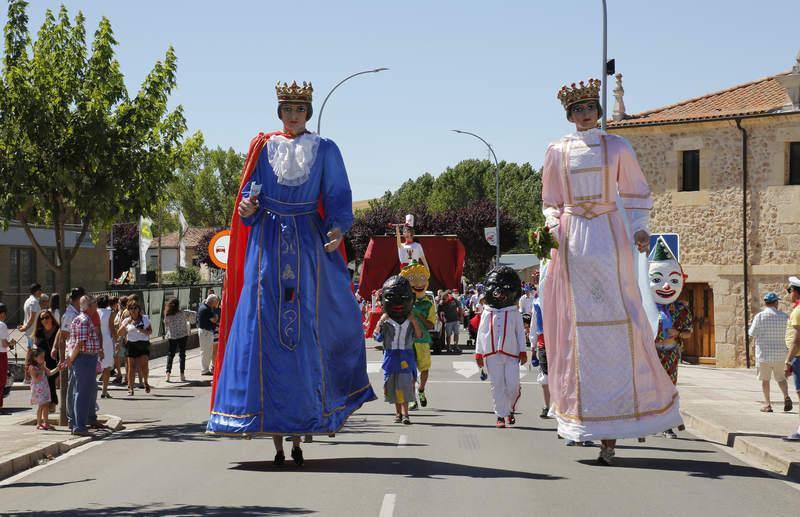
(700, 348)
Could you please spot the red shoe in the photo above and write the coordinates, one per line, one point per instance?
(501, 422)
(511, 419)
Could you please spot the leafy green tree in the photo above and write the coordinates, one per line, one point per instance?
(471, 181)
(458, 186)
(206, 183)
(412, 192)
(74, 146)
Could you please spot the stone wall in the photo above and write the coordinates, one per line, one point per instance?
(710, 221)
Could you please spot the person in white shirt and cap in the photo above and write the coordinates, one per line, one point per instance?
(769, 328)
(408, 249)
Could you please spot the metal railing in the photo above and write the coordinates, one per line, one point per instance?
(152, 300)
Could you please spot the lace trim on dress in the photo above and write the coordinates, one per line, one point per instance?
(292, 158)
(591, 137)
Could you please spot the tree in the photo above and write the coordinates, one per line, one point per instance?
(206, 183)
(74, 147)
(458, 186)
(412, 192)
(468, 223)
(126, 247)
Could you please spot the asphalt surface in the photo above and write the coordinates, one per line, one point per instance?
(450, 461)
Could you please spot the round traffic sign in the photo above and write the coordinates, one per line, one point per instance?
(218, 249)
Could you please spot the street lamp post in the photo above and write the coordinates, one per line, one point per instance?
(322, 108)
(604, 73)
(496, 193)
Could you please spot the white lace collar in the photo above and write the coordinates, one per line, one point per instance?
(292, 158)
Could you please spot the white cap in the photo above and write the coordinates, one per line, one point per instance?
(794, 281)
(410, 220)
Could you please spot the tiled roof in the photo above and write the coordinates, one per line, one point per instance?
(192, 237)
(755, 98)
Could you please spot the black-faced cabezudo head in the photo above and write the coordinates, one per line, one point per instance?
(503, 287)
(397, 298)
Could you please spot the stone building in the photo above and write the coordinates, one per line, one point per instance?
(170, 248)
(717, 164)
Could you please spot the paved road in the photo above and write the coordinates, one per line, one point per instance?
(451, 461)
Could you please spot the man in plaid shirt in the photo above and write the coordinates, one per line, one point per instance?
(769, 329)
(84, 349)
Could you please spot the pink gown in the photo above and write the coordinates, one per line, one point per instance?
(606, 380)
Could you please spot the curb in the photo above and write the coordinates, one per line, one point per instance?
(750, 448)
(25, 459)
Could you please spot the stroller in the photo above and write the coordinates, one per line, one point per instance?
(16, 369)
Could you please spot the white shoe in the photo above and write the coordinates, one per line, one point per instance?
(183, 378)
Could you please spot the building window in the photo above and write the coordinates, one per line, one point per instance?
(794, 163)
(690, 176)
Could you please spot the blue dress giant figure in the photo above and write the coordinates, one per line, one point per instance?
(294, 362)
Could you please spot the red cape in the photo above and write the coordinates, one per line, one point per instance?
(232, 288)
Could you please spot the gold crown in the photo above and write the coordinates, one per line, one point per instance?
(569, 95)
(294, 92)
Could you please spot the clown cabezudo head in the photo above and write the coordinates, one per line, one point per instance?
(419, 276)
(397, 298)
(294, 106)
(503, 287)
(666, 275)
(582, 103)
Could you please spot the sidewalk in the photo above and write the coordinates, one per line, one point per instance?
(723, 405)
(24, 447)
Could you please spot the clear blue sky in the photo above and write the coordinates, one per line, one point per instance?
(491, 69)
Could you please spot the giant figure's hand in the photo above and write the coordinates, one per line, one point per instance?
(335, 239)
(248, 206)
(642, 239)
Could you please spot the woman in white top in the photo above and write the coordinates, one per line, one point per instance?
(108, 332)
(408, 249)
(177, 323)
(137, 329)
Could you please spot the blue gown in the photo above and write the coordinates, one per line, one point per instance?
(295, 361)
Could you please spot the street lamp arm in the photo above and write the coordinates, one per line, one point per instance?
(496, 192)
(322, 108)
(482, 140)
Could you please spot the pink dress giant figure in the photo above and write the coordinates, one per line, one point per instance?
(605, 377)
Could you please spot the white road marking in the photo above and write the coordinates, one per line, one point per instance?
(373, 367)
(387, 508)
(402, 441)
(465, 368)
